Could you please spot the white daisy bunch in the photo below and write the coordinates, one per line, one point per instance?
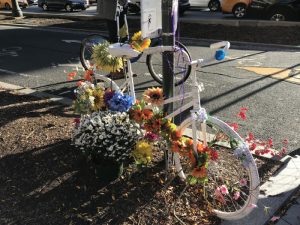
(106, 135)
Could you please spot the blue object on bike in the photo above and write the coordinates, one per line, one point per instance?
(220, 54)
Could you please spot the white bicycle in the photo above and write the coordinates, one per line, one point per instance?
(232, 184)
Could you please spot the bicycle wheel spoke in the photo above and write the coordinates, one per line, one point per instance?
(228, 189)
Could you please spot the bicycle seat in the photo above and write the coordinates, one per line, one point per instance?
(122, 50)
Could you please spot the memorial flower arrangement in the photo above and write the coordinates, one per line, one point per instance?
(92, 98)
(139, 43)
(105, 61)
(106, 136)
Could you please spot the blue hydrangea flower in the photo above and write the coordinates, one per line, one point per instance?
(120, 102)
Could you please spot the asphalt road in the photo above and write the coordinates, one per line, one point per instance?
(41, 59)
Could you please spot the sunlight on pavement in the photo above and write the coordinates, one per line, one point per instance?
(289, 75)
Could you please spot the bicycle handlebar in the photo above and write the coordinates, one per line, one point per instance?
(219, 55)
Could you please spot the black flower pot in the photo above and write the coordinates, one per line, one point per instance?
(108, 170)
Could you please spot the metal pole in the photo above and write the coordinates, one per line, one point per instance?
(16, 11)
(168, 58)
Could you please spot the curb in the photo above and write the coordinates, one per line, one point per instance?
(35, 93)
(226, 22)
(193, 41)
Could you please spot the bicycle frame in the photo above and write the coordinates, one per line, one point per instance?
(197, 112)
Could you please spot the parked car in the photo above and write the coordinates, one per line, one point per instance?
(68, 5)
(8, 5)
(213, 5)
(238, 8)
(32, 2)
(277, 10)
(134, 6)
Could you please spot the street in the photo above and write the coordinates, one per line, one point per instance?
(265, 81)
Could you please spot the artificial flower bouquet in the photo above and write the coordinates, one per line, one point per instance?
(92, 98)
(106, 136)
(105, 61)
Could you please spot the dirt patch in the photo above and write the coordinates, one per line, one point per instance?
(44, 180)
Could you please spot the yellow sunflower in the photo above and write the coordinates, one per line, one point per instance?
(154, 96)
(142, 152)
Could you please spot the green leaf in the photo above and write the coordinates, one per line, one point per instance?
(192, 180)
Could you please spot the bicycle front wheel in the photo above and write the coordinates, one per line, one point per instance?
(86, 49)
(182, 69)
(229, 181)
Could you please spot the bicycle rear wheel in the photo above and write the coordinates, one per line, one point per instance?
(86, 49)
(232, 183)
(182, 69)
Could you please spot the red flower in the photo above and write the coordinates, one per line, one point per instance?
(251, 137)
(76, 120)
(87, 75)
(242, 114)
(244, 109)
(270, 142)
(252, 146)
(234, 126)
(214, 154)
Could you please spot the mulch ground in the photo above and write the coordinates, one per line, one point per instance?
(45, 180)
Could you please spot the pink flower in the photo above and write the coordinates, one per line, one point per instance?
(275, 218)
(236, 195)
(285, 141)
(283, 150)
(219, 196)
(224, 190)
(243, 182)
(252, 206)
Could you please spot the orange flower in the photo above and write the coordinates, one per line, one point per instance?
(137, 115)
(154, 96)
(147, 114)
(199, 172)
(79, 83)
(156, 124)
(200, 147)
(176, 135)
(148, 126)
(87, 75)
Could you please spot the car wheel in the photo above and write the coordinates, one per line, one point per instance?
(45, 7)
(7, 6)
(239, 11)
(69, 8)
(281, 15)
(214, 5)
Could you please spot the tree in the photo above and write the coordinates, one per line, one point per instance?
(16, 11)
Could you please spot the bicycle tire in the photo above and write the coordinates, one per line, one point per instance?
(181, 60)
(229, 169)
(86, 47)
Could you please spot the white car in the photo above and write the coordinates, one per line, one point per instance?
(213, 5)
